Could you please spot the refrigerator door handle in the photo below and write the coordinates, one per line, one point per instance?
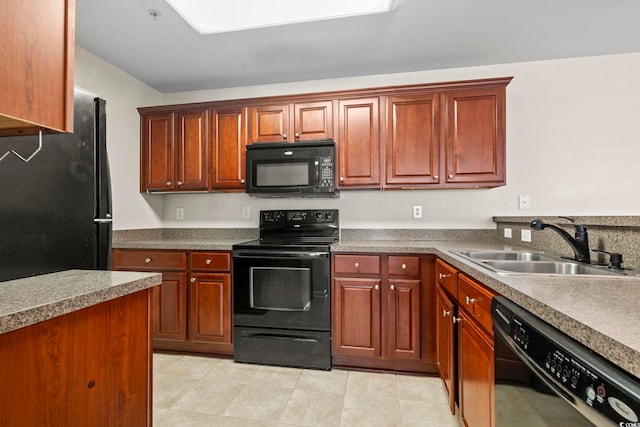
(102, 220)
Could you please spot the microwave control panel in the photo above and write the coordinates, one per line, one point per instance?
(326, 172)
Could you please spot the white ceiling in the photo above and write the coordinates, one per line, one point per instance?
(170, 56)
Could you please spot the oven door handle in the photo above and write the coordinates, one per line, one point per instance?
(279, 254)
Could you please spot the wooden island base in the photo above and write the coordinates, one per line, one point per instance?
(91, 367)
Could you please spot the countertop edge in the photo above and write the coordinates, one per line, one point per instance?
(72, 290)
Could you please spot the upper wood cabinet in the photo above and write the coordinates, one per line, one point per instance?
(430, 136)
(475, 137)
(302, 121)
(174, 151)
(358, 143)
(228, 138)
(36, 84)
(412, 139)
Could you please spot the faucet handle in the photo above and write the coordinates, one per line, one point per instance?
(579, 227)
(615, 258)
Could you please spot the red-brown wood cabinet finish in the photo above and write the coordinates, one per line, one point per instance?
(383, 312)
(38, 45)
(446, 345)
(91, 367)
(192, 307)
(192, 165)
(301, 121)
(228, 139)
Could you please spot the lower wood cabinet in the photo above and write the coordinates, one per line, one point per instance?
(192, 307)
(383, 315)
(465, 354)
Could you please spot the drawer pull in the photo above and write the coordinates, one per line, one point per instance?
(208, 261)
(443, 276)
(456, 319)
(404, 266)
(147, 260)
(193, 280)
(470, 300)
(446, 313)
(356, 265)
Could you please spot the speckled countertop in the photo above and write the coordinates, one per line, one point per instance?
(27, 301)
(599, 312)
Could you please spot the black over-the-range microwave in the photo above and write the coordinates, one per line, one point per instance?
(298, 169)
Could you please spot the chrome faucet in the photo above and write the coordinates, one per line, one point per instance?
(579, 243)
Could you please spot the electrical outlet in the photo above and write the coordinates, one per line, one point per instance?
(246, 212)
(524, 201)
(525, 235)
(507, 232)
(417, 211)
(180, 213)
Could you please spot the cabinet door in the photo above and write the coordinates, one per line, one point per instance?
(475, 370)
(228, 136)
(475, 136)
(192, 150)
(445, 345)
(413, 140)
(359, 143)
(170, 308)
(403, 319)
(210, 307)
(269, 123)
(158, 164)
(356, 317)
(36, 82)
(313, 120)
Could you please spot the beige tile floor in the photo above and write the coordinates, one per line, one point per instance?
(203, 391)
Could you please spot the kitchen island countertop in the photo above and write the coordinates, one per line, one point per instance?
(31, 300)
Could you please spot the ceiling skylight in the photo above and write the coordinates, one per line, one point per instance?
(207, 16)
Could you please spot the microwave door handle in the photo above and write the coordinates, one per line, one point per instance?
(317, 181)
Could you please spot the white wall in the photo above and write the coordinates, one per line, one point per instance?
(573, 145)
(123, 94)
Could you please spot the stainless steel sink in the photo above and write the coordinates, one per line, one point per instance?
(505, 255)
(533, 262)
(548, 267)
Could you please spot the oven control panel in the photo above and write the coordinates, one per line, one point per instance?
(582, 376)
(286, 217)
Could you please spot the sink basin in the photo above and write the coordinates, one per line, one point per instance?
(547, 267)
(505, 255)
(533, 262)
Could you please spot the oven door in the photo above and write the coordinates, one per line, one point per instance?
(280, 289)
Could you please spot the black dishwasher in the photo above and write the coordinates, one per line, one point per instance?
(546, 378)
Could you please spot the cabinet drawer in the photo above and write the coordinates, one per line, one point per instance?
(124, 259)
(357, 264)
(403, 265)
(476, 300)
(211, 261)
(447, 277)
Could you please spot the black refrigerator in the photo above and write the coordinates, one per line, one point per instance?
(55, 209)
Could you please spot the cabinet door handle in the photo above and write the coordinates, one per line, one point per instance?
(284, 136)
(242, 181)
(168, 183)
(147, 260)
(208, 261)
(376, 287)
(436, 177)
(297, 135)
(193, 280)
(443, 276)
(456, 319)
(179, 183)
(356, 265)
(404, 266)
(470, 300)
(450, 176)
(392, 287)
(342, 179)
(446, 313)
